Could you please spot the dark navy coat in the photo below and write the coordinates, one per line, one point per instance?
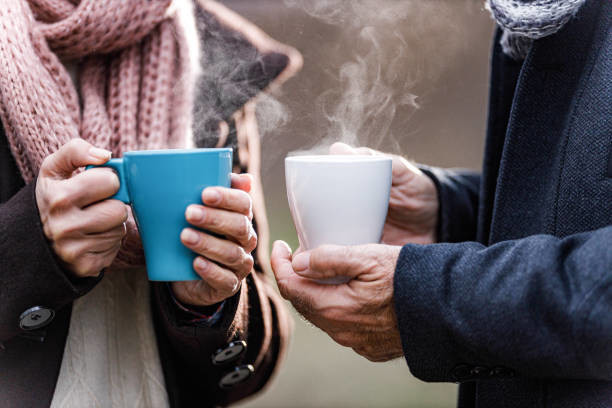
(516, 304)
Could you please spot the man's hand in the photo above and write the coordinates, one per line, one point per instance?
(358, 314)
(84, 229)
(413, 205)
(225, 260)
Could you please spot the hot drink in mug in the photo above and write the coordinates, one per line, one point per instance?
(340, 200)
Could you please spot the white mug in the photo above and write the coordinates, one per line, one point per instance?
(339, 200)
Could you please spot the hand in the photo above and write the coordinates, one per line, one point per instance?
(359, 314)
(84, 229)
(413, 204)
(224, 261)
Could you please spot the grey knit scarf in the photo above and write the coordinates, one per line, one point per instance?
(523, 21)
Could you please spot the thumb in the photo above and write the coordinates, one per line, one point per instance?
(74, 154)
(327, 261)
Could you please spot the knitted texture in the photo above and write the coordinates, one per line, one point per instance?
(526, 20)
(111, 357)
(130, 54)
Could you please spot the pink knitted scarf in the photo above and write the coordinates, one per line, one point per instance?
(133, 76)
(130, 54)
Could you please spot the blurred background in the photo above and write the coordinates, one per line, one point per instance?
(431, 57)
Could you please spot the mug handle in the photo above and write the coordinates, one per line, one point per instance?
(117, 165)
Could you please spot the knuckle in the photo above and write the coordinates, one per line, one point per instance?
(343, 338)
(115, 210)
(109, 178)
(76, 144)
(204, 245)
(47, 162)
(236, 255)
(69, 255)
(244, 230)
(200, 266)
(247, 202)
(57, 229)
(249, 263)
(333, 315)
(252, 242)
(246, 265)
(61, 198)
(52, 230)
(209, 219)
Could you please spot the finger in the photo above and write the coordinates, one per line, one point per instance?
(228, 199)
(242, 181)
(402, 168)
(235, 226)
(280, 258)
(92, 263)
(74, 154)
(222, 280)
(117, 233)
(366, 151)
(328, 261)
(75, 251)
(222, 251)
(103, 216)
(92, 186)
(305, 294)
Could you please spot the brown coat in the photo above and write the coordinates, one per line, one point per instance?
(31, 276)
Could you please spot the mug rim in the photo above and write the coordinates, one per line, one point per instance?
(337, 159)
(164, 152)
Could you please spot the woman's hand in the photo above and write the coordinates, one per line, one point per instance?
(413, 205)
(84, 229)
(225, 258)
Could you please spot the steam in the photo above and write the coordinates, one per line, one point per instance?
(376, 85)
(370, 92)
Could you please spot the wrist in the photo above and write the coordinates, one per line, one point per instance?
(194, 314)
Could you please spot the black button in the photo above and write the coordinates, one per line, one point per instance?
(479, 372)
(238, 375)
(462, 372)
(35, 318)
(501, 372)
(230, 353)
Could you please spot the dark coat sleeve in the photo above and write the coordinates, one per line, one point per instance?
(458, 192)
(29, 271)
(256, 315)
(535, 307)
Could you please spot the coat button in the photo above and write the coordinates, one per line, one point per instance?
(35, 318)
(479, 372)
(462, 372)
(230, 353)
(239, 375)
(501, 372)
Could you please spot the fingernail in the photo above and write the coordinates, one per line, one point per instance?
(301, 262)
(189, 236)
(194, 213)
(200, 263)
(98, 153)
(211, 196)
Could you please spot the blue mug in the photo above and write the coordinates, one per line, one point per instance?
(159, 185)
